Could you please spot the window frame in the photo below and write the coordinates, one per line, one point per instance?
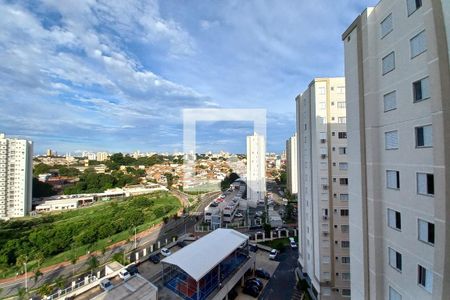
(397, 178)
(394, 264)
(428, 232)
(421, 87)
(410, 45)
(427, 183)
(383, 72)
(382, 36)
(416, 8)
(384, 102)
(395, 219)
(416, 136)
(427, 272)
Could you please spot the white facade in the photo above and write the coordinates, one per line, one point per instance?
(102, 156)
(16, 177)
(256, 169)
(291, 165)
(398, 89)
(322, 188)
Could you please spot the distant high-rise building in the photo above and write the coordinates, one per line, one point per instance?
(256, 169)
(102, 156)
(16, 177)
(49, 152)
(322, 188)
(398, 106)
(291, 165)
(91, 156)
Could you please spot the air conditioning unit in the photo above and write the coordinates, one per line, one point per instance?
(325, 233)
(325, 217)
(323, 141)
(323, 156)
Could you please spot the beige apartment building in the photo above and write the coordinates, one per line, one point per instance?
(292, 165)
(398, 108)
(322, 182)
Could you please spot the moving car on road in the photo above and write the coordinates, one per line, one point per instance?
(154, 258)
(106, 285)
(165, 252)
(273, 254)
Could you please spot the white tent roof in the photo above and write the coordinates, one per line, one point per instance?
(201, 256)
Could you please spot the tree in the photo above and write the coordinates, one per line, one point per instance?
(20, 262)
(36, 276)
(93, 263)
(73, 261)
(169, 178)
(21, 293)
(45, 290)
(229, 179)
(60, 282)
(39, 256)
(41, 168)
(42, 189)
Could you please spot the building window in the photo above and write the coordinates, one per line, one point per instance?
(343, 181)
(342, 150)
(421, 89)
(386, 26)
(395, 259)
(393, 179)
(342, 120)
(424, 136)
(425, 278)
(388, 63)
(345, 276)
(426, 232)
(394, 219)
(343, 166)
(345, 244)
(321, 90)
(342, 135)
(341, 89)
(418, 44)
(390, 101)
(346, 292)
(413, 5)
(391, 140)
(394, 295)
(345, 259)
(344, 212)
(341, 104)
(425, 184)
(343, 197)
(344, 228)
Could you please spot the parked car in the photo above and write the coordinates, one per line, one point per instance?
(154, 258)
(273, 254)
(253, 248)
(238, 215)
(251, 290)
(106, 285)
(132, 269)
(165, 252)
(124, 274)
(293, 245)
(261, 273)
(259, 213)
(181, 244)
(256, 282)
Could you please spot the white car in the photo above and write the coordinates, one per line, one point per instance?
(273, 254)
(259, 213)
(124, 274)
(238, 215)
(293, 245)
(106, 285)
(165, 252)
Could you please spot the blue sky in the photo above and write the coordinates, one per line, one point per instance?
(115, 75)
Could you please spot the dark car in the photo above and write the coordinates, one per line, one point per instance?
(253, 248)
(154, 258)
(261, 273)
(181, 244)
(255, 282)
(251, 290)
(132, 270)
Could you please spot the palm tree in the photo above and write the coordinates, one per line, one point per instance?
(21, 293)
(37, 274)
(20, 261)
(60, 282)
(44, 290)
(73, 261)
(39, 256)
(92, 263)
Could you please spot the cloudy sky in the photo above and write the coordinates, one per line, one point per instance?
(115, 75)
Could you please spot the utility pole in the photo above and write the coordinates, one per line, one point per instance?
(26, 275)
(135, 246)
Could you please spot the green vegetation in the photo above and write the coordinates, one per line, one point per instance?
(118, 159)
(62, 236)
(91, 182)
(278, 244)
(229, 179)
(282, 179)
(42, 168)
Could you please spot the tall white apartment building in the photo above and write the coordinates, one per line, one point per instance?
(256, 169)
(102, 156)
(291, 165)
(16, 177)
(398, 106)
(322, 183)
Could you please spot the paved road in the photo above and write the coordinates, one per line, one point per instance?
(172, 228)
(282, 283)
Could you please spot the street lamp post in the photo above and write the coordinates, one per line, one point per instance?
(135, 246)
(26, 275)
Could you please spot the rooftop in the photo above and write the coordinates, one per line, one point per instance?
(201, 256)
(137, 287)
